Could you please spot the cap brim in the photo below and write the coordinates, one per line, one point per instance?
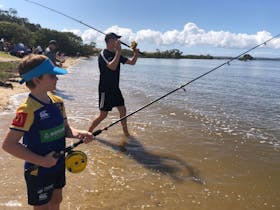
(58, 71)
(45, 67)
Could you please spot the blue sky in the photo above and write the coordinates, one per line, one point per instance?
(213, 27)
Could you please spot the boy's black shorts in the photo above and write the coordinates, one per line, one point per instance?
(110, 99)
(40, 188)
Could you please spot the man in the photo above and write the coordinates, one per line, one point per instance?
(50, 52)
(110, 94)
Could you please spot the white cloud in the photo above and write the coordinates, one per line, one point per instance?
(191, 35)
(150, 36)
(90, 36)
(74, 31)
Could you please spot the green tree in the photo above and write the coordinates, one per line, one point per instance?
(15, 33)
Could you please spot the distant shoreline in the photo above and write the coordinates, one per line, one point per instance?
(175, 54)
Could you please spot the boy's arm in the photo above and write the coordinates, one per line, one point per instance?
(78, 134)
(12, 145)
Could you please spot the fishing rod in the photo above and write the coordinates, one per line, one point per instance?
(97, 132)
(79, 156)
(76, 160)
(133, 44)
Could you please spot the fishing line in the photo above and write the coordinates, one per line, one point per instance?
(133, 44)
(68, 150)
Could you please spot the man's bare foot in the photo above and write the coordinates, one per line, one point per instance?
(127, 134)
(122, 146)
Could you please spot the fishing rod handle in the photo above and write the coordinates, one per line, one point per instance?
(69, 149)
(131, 48)
(96, 133)
(59, 154)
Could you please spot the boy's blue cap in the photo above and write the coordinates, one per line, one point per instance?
(46, 67)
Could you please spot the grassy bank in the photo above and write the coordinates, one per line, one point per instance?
(8, 66)
(7, 70)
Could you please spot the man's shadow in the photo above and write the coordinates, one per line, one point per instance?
(168, 165)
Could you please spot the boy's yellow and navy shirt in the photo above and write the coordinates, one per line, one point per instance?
(43, 127)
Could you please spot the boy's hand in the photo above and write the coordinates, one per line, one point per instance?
(86, 136)
(49, 160)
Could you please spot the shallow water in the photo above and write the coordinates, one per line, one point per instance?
(213, 146)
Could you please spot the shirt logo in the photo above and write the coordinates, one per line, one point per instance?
(44, 115)
(52, 134)
(20, 119)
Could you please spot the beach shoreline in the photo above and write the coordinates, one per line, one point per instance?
(6, 92)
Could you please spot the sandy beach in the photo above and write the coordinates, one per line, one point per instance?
(6, 93)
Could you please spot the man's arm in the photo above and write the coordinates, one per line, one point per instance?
(113, 64)
(133, 60)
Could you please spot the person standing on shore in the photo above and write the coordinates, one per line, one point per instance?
(50, 52)
(110, 94)
(41, 121)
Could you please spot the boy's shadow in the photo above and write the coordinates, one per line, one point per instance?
(168, 165)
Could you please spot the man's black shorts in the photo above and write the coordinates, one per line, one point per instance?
(40, 188)
(110, 99)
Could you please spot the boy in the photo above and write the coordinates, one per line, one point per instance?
(41, 121)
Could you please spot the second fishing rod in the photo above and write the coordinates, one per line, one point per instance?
(132, 45)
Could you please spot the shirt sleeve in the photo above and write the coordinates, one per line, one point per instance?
(59, 103)
(23, 120)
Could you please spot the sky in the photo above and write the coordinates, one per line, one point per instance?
(200, 27)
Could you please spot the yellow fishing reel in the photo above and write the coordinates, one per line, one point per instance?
(76, 161)
(133, 45)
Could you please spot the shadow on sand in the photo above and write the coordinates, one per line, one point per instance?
(168, 165)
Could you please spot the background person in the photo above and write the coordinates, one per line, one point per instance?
(50, 52)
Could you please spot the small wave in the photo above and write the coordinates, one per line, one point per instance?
(12, 203)
(16, 100)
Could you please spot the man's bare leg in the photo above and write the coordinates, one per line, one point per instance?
(122, 111)
(96, 121)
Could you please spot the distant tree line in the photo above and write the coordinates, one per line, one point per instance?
(173, 53)
(14, 29)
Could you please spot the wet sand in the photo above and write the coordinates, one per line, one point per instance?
(200, 176)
